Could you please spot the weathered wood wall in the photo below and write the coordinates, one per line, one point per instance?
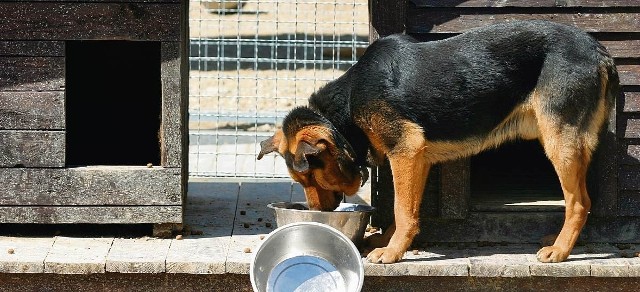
(37, 185)
(615, 23)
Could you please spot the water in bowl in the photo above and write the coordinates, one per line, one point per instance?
(305, 273)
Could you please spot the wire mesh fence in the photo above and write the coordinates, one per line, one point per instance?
(250, 63)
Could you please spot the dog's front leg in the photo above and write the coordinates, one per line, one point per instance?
(409, 170)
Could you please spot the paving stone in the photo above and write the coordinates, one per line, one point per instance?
(139, 255)
(23, 254)
(198, 255)
(77, 255)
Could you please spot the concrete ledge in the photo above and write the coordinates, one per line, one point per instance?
(232, 219)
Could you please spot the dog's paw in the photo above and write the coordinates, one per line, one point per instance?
(552, 254)
(385, 255)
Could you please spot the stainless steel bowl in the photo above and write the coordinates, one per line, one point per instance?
(307, 256)
(350, 219)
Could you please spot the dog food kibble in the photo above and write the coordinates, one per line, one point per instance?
(243, 212)
(11, 251)
(179, 237)
(267, 225)
(150, 165)
(261, 237)
(415, 252)
(246, 225)
(247, 250)
(259, 219)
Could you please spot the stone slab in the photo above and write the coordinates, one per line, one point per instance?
(70, 255)
(138, 255)
(23, 254)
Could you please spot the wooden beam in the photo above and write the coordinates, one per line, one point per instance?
(630, 128)
(451, 20)
(527, 3)
(32, 110)
(90, 21)
(386, 17)
(172, 128)
(91, 214)
(91, 186)
(31, 148)
(32, 48)
(31, 73)
(631, 102)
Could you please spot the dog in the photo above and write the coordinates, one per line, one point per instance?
(421, 103)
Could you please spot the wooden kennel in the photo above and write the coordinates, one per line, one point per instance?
(512, 194)
(93, 111)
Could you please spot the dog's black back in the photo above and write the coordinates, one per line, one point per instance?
(464, 86)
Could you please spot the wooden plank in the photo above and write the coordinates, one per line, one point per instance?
(522, 227)
(137, 255)
(84, 21)
(386, 17)
(32, 110)
(31, 148)
(382, 196)
(631, 128)
(455, 188)
(32, 48)
(629, 177)
(630, 154)
(629, 74)
(526, 3)
(78, 255)
(629, 48)
(27, 254)
(93, 214)
(449, 20)
(95, 185)
(603, 172)
(31, 73)
(629, 202)
(173, 127)
(90, 1)
(631, 103)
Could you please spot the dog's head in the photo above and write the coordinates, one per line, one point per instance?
(318, 157)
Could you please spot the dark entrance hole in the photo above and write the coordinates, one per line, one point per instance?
(113, 103)
(515, 176)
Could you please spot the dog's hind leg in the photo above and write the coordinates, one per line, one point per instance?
(569, 123)
(569, 147)
(570, 163)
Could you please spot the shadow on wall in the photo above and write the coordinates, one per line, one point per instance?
(282, 52)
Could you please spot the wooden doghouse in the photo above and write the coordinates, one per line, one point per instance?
(512, 194)
(93, 111)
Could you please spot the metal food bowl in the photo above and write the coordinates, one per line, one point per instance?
(307, 256)
(350, 219)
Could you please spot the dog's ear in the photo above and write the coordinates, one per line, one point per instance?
(271, 144)
(304, 149)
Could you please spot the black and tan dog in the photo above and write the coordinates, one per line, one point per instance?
(421, 103)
